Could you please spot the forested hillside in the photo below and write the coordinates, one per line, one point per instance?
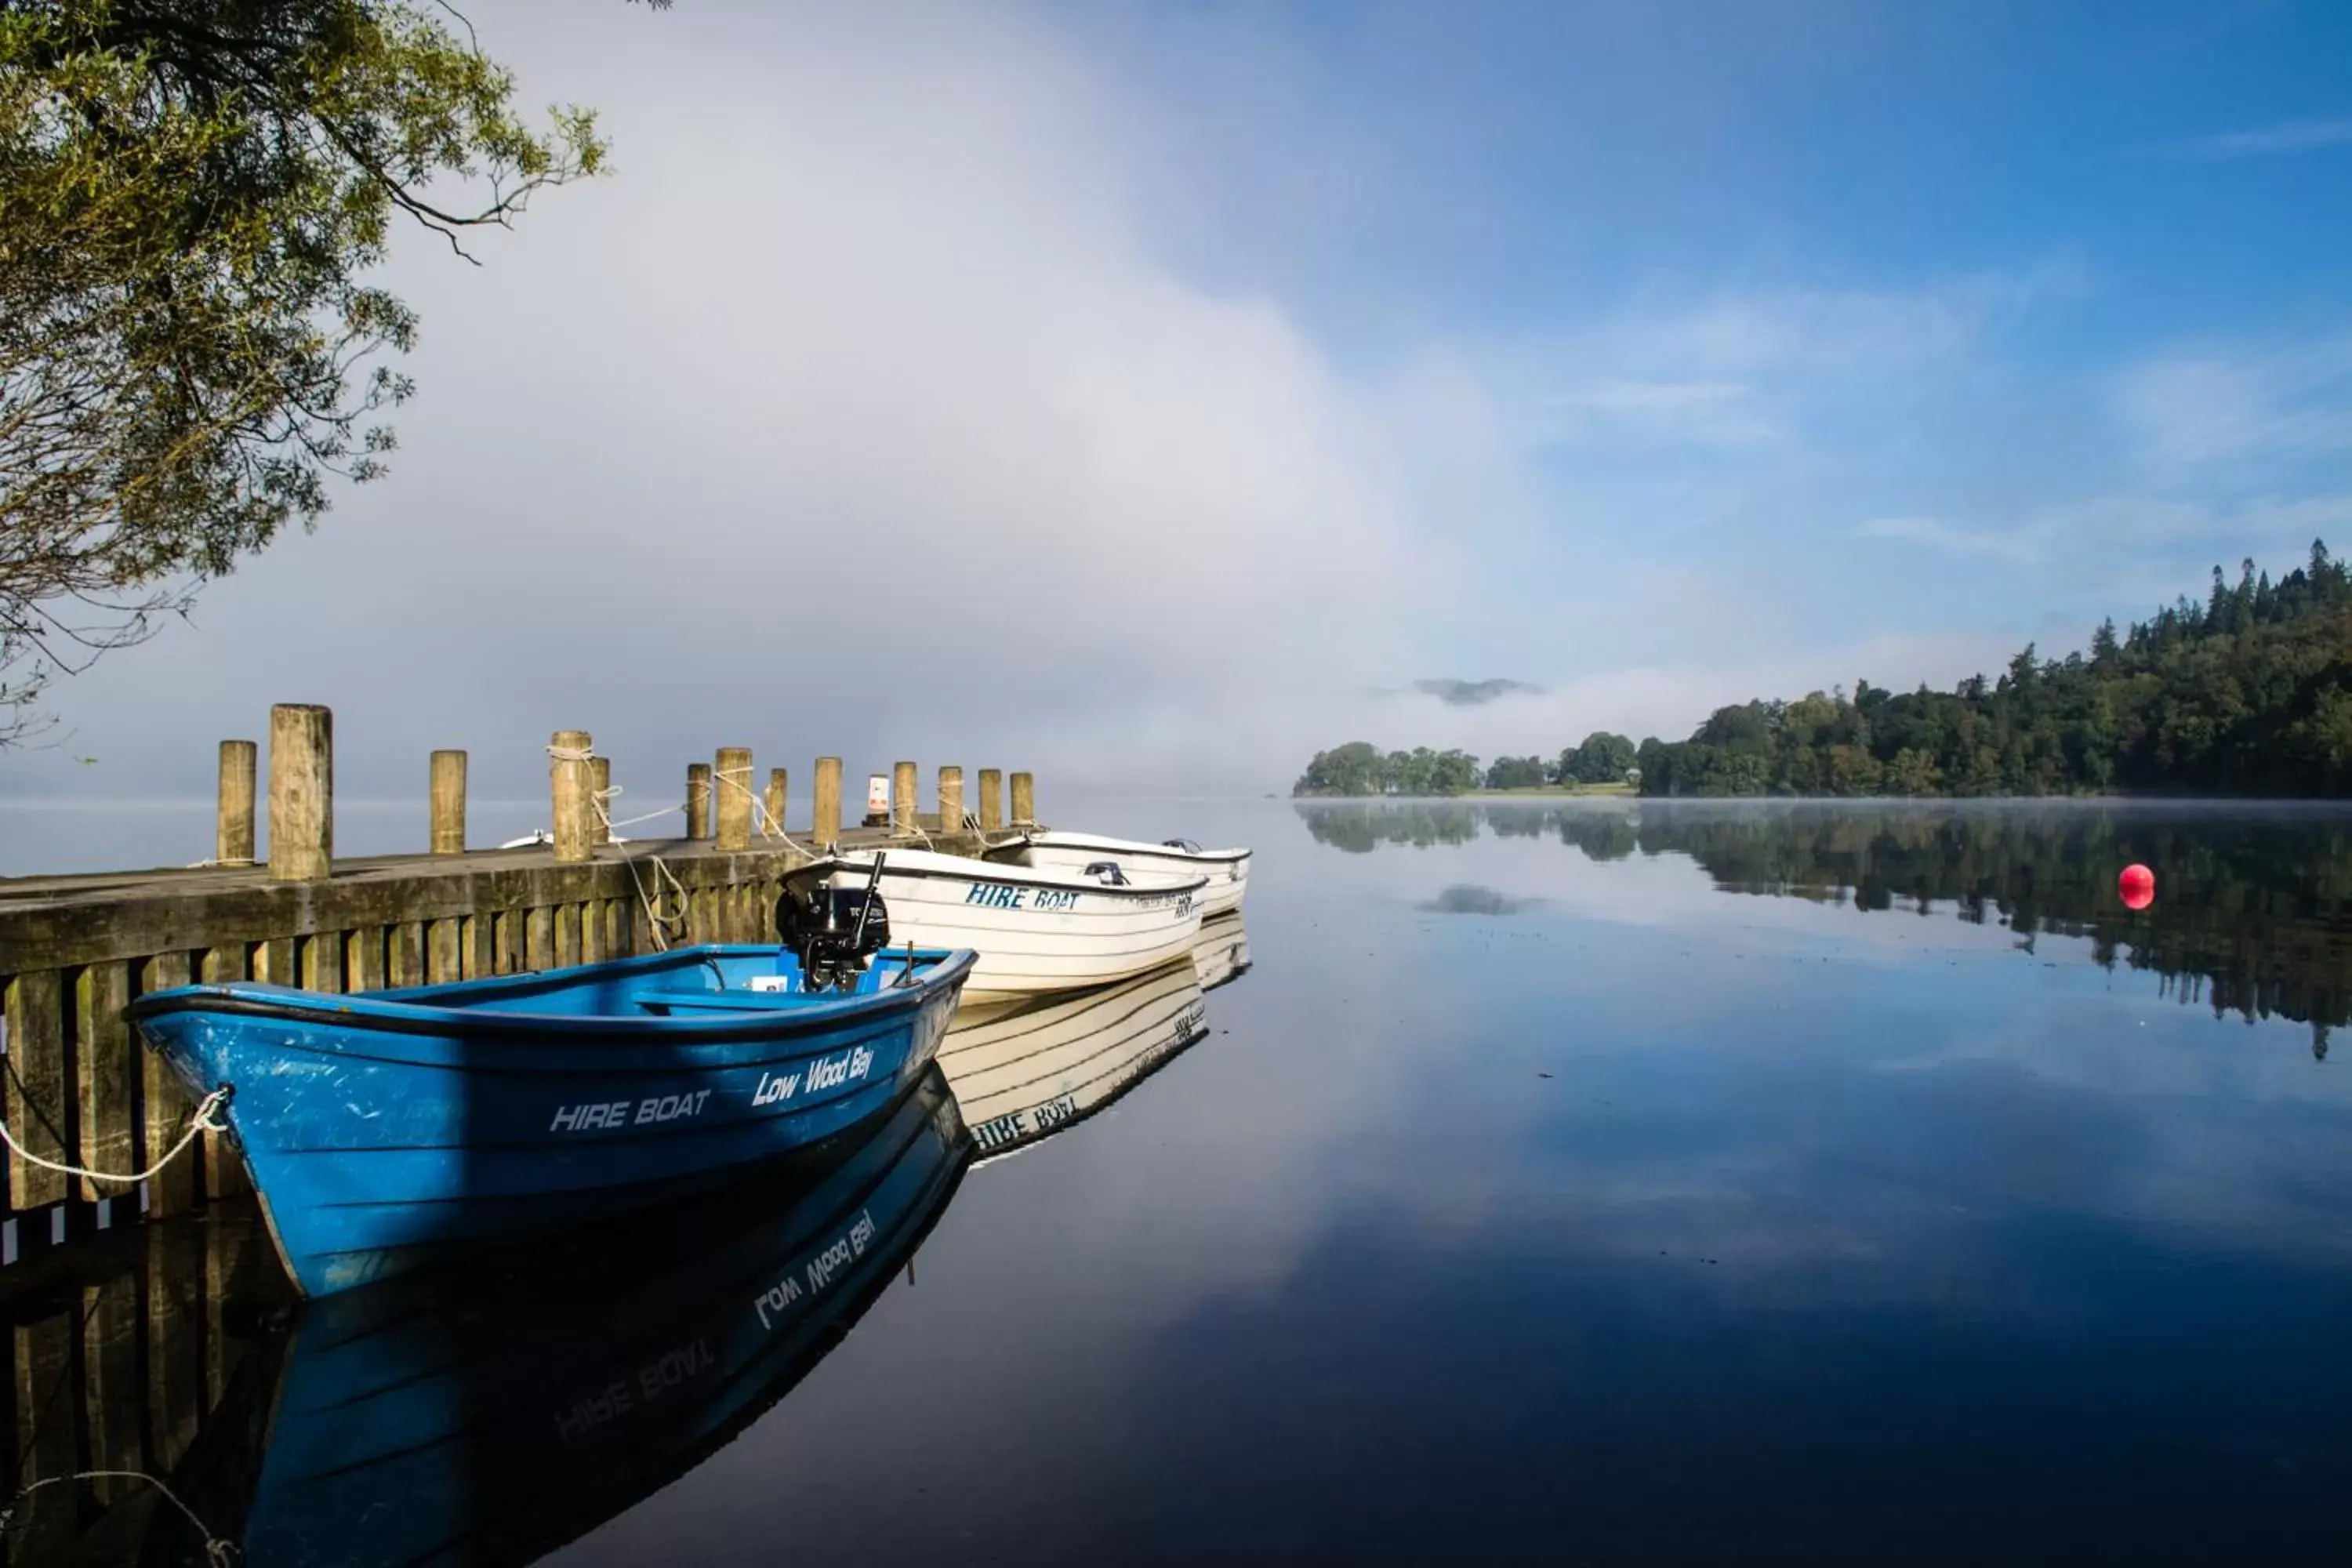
(2246, 693)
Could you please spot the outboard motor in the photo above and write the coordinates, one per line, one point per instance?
(833, 930)
(1107, 873)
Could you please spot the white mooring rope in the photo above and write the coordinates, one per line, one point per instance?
(654, 901)
(655, 920)
(768, 826)
(202, 1121)
(217, 1551)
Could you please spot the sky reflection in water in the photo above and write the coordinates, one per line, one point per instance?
(1611, 1183)
(1831, 1232)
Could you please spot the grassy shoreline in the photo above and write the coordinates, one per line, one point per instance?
(1546, 792)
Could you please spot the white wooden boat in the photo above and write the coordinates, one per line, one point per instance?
(1035, 930)
(1025, 1071)
(1227, 871)
(1222, 952)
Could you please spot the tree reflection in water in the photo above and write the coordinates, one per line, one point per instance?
(2253, 912)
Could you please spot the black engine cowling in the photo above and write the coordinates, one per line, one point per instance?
(833, 932)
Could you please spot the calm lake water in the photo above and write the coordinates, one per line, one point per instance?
(1607, 1182)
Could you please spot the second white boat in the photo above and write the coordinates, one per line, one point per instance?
(1226, 870)
(1035, 929)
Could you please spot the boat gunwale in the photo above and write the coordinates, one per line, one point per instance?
(987, 871)
(1111, 845)
(380, 1013)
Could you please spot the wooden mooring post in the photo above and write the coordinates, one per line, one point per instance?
(447, 803)
(571, 782)
(1025, 801)
(951, 799)
(902, 800)
(824, 826)
(778, 797)
(301, 793)
(697, 800)
(78, 1088)
(731, 776)
(991, 801)
(233, 832)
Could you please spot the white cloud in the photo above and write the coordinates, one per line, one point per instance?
(851, 414)
(2202, 408)
(2271, 141)
(1855, 329)
(1938, 535)
(1643, 396)
(1750, 367)
(1658, 698)
(2124, 555)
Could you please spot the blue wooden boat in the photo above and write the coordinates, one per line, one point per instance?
(487, 1415)
(389, 1128)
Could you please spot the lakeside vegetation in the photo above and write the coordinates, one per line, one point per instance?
(2248, 693)
(1360, 768)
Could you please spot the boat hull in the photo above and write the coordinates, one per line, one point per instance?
(379, 1140)
(490, 1415)
(1033, 930)
(1225, 870)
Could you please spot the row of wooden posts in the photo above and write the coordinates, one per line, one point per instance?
(719, 803)
(76, 1087)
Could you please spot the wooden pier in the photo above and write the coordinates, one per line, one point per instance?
(81, 1090)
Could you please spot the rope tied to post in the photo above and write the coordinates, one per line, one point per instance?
(200, 1122)
(768, 826)
(658, 919)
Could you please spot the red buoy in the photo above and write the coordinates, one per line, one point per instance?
(2137, 886)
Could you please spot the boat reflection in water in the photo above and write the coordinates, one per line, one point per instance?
(490, 1415)
(1222, 955)
(482, 1418)
(1026, 1070)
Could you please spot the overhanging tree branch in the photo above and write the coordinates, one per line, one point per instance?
(190, 191)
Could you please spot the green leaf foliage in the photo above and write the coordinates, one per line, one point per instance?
(1359, 768)
(193, 194)
(2248, 693)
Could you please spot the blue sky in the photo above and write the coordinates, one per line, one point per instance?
(1137, 390)
(1965, 316)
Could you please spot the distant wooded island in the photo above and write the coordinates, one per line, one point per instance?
(1470, 693)
(2248, 693)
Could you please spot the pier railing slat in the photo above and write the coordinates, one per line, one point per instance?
(322, 961)
(110, 1388)
(163, 1103)
(443, 951)
(106, 1070)
(48, 1405)
(40, 1097)
(174, 1330)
